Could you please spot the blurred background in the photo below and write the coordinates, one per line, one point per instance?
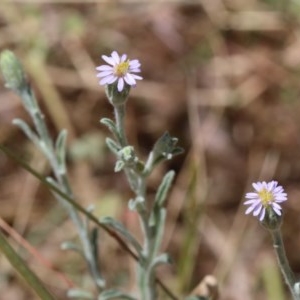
(221, 75)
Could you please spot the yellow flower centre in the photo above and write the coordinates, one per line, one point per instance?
(122, 68)
(266, 197)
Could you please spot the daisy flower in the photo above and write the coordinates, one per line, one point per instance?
(266, 195)
(119, 69)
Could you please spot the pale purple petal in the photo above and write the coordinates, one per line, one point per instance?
(120, 84)
(109, 60)
(108, 80)
(281, 198)
(115, 57)
(137, 77)
(251, 201)
(278, 191)
(251, 195)
(257, 209)
(123, 58)
(113, 79)
(104, 73)
(129, 79)
(275, 205)
(135, 70)
(249, 209)
(104, 68)
(263, 213)
(257, 186)
(271, 185)
(134, 63)
(278, 211)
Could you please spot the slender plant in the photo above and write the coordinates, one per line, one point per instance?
(118, 77)
(55, 152)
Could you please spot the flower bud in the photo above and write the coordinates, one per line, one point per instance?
(165, 147)
(12, 71)
(271, 221)
(114, 96)
(127, 154)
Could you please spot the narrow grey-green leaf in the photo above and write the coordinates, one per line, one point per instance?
(163, 258)
(119, 166)
(60, 150)
(67, 245)
(114, 294)
(112, 145)
(27, 130)
(177, 151)
(40, 125)
(159, 229)
(117, 226)
(110, 124)
(163, 188)
(79, 293)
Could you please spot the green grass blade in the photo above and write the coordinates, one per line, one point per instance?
(21, 267)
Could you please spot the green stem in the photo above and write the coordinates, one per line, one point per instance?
(21, 267)
(47, 146)
(138, 182)
(83, 233)
(119, 115)
(35, 113)
(147, 276)
(283, 262)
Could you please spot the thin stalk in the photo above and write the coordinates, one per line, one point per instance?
(283, 262)
(120, 115)
(47, 147)
(82, 230)
(146, 276)
(21, 267)
(36, 115)
(145, 273)
(83, 234)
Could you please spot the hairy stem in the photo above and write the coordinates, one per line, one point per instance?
(283, 262)
(120, 115)
(138, 182)
(47, 146)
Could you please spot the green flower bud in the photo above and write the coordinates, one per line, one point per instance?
(165, 148)
(127, 154)
(271, 221)
(12, 71)
(114, 96)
